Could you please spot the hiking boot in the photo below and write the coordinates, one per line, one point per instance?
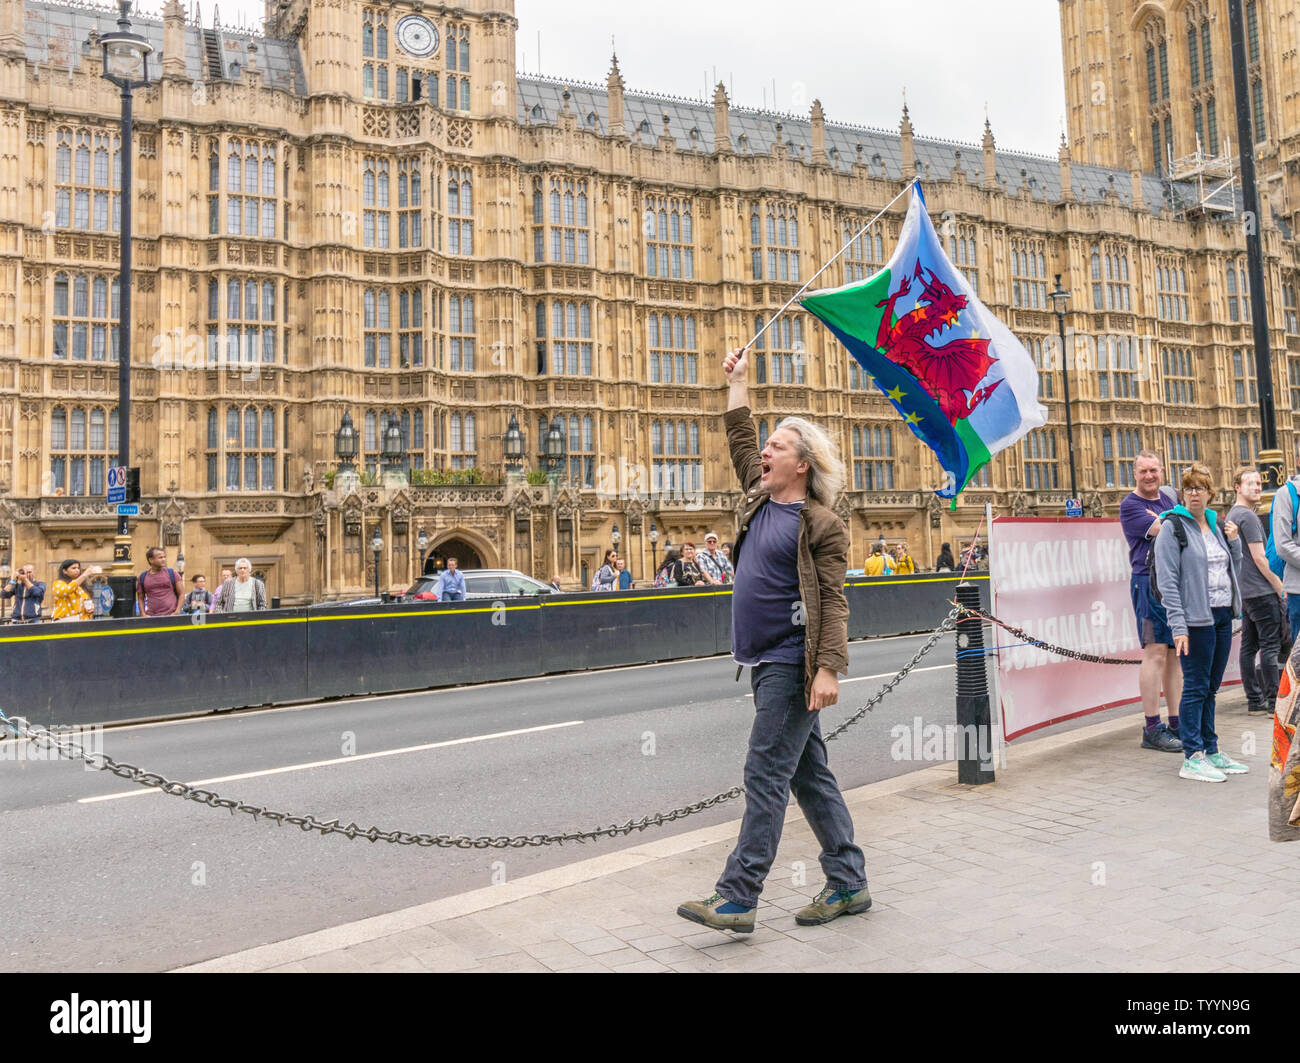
(1226, 764)
(1198, 767)
(1162, 739)
(1259, 710)
(832, 903)
(710, 913)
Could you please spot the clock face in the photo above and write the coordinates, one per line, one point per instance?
(417, 36)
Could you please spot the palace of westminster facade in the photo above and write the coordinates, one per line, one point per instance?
(368, 211)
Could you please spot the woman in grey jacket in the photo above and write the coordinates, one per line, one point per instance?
(1198, 589)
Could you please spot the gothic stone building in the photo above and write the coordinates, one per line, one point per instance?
(369, 211)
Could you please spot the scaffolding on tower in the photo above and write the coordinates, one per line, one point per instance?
(1208, 183)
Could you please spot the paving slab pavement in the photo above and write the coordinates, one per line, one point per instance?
(1089, 853)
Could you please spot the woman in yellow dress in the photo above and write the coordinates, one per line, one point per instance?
(71, 601)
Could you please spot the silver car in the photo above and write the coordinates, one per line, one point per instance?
(482, 583)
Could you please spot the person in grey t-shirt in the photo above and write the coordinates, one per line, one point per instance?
(1261, 599)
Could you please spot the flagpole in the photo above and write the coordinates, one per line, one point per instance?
(827, 265)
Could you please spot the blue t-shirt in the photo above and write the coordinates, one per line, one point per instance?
(767, 621)
(1135, 518)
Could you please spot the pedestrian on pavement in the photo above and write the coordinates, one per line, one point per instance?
(226, 574)
(158, 589)
(946, 562)
(1196, 572)
(714, 562)
(664, 574)
(903, 563)
(686, 571)
(555, 583)
(878, 563)
(789, 623)
(624, 576)
(450, 586)
(245, 593)
(726, 552)
(1139, 517)
(1287, 544)
(199, 600)
(1263, 609)
(71, 601)
(606, 578)
(27, 592)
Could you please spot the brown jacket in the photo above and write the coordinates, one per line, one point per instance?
(823, 556)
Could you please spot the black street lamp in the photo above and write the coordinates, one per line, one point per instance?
(555, 449)
(377, 544)
(126, 65)
(422, 544)
(1060, 303)
(345, 443)
(514, 445)
(654, 546)
(615, 537)
(394, 444)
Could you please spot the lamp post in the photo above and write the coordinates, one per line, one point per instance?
(654, 546)
(422, 544)
(126, 65)
(514, 446)
(1060, 303)
(345, 443)
(394, 451)
(615, 537)
(180, 563)
(376, 545)
(555, 451)
(1270, 457)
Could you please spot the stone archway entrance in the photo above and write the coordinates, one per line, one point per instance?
(466, 556)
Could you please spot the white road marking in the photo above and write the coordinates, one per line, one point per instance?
(336, 760)
(887, 675)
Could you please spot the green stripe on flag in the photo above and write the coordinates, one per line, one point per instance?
(977, 454)
(853, 309)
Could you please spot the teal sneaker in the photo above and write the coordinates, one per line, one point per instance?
(1198, 767)
(1226, 764)
(831, 904)
(719, 913)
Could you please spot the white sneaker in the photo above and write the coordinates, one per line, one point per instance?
(1198, 767)
(1226, 764)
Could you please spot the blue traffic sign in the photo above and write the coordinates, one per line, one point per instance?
(128, 509)
(1073, 507)
(116, 495)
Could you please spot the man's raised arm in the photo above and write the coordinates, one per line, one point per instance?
(742, 439)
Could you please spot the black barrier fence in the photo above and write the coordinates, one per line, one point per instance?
(146, 668)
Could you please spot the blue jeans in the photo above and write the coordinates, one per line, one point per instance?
(786, 753)
(1293, 614)
(1203, 665)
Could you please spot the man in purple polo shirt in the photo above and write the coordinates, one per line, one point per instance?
(1139, 515)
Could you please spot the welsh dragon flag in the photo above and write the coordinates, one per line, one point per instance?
(964, 385)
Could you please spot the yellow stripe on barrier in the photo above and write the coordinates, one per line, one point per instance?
(894, 581)
(140, 630)
(638, 598)
(891, 582)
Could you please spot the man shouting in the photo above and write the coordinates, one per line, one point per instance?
(789, 623)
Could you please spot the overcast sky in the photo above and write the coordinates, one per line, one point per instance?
(953, 56)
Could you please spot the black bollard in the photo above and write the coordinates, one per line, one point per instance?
(976, 731)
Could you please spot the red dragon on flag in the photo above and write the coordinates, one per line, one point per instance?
(951, 373)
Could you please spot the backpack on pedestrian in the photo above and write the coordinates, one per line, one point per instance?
(1180, 533)
(1277, 563)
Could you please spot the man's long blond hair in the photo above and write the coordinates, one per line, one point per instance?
(825, 470)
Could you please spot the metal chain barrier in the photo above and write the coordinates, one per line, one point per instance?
(1024, 636)
(73, 750)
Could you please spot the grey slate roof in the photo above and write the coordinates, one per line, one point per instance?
(57, 33)
(754, 132)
